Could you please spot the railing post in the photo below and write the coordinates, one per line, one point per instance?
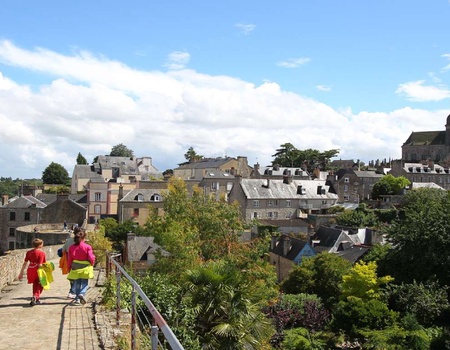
(118, 275)
(133, 318)
(154, 334)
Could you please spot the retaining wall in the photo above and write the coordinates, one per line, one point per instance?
(11, 263)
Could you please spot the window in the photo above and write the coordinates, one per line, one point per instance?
(214, 186)
(229, 186)
(275, 215)
(345, 188)
(255, 215)
(288, 203)
(11, 246)
(98, 196)
(346, 198)
(97, 209)
(269, 215)
(346, 179)
(269, 203)
(256, 204)
(12, 216)
(155, 198)
(12, 232)
(27, 216)
(288, 215)
(136, 212)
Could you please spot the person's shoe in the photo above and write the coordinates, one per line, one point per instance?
(82, 300)
(38, 302)
(76, 302)
(33, 301)
(71, 296)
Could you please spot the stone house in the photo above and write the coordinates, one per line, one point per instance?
(217, 184)
(281, 199)
(353, 185)
(139, 203)
(20, 211)
(197, 170)
(119, 169)
(285, 252)
(422, 172)
(140, 252)
(277, 172)
(21, 215)
(424, 145)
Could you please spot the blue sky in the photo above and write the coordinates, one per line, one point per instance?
(234, 78)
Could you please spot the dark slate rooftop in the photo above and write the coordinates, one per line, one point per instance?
(296, 247)
(420, 138)
(354, 253)
(206, 163)
(26, 202)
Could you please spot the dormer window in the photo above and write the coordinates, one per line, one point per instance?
(139, 197)
(155, 198)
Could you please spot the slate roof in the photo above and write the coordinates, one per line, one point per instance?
(327, 237)
(49, 198)
(85, 171)
(369, 174)
(421, 138)
(280, 171)
(205, 163)
(146, 193)
(138, 247)
(127, 165)
(354, 253)
(296, 247)
(26, 202)
(258, 189)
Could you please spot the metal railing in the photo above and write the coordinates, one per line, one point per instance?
(149, 328)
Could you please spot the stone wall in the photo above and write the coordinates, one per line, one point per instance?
(11, 263)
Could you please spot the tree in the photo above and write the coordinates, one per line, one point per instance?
(362, 282)
(320, 275)
(285, 155)
(121, 150)
(420, 238)
(389, 185)
(192, 156)
(55, 174)
(81, 160)
(426, 301)
(227, 316)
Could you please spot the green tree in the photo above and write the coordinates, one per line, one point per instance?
(420, 238)
(389, 185)
(227, 314)
(320, 275)
(426, 301)
(362, 282)
(81, 160)
(285, 155)
(55, 174)
(121, 150)
(192, 156)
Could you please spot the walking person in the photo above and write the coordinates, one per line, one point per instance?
(64, 262)
(81, 264)
(34, 258)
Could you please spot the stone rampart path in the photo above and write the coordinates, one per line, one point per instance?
(55, 324)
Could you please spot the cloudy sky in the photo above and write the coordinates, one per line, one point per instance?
(229, 78)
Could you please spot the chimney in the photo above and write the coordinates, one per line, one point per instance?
(286, 245)
(431, 164)
(276, 167)
(120, 195)
(5, 199)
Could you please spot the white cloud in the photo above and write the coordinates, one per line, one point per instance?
(245, 29)
(323, 88)
(447, 55)
(294, 62)
(417, 91)
(91, 103)
(178, 60)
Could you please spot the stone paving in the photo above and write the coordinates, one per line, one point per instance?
(55, 324)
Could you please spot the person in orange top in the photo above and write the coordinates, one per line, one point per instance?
(34, 258)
